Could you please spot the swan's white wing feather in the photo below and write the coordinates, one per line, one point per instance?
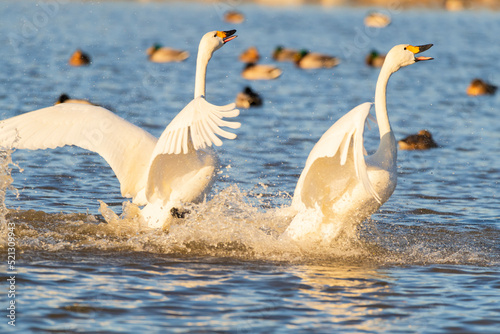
(343, 135)
(199, 122)
(360, 162)
(126, 147)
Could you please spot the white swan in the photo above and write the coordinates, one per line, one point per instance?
(161, 173)
(338, 184)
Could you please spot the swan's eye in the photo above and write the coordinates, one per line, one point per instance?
(215, 35)
(405, 48)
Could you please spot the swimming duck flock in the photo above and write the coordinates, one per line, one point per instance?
(337, 188)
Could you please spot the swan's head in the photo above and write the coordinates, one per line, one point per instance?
(404, 55)
(214, 40)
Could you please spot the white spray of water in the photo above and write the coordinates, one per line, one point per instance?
(232, 224)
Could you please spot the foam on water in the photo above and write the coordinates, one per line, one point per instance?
(235, 224)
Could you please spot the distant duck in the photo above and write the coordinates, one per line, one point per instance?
(260, 72)
(454, 5)
(250, 55)
(160, 54)
(480, 87)
(421, 141)
(64, 98)
(284, 54)
(374, 59)
(248, 98)
(377, 20)
(234, 16)
(79, 58)
(311, 60)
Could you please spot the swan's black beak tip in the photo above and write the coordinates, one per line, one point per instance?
(420, 48)
(229, 35)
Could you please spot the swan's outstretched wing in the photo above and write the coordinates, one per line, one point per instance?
(199, 123)
(339, 153)
(126, 147)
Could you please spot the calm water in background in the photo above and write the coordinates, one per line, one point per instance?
(428, 261)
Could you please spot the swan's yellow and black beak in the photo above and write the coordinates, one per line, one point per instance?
(419, 49)
(227, 35)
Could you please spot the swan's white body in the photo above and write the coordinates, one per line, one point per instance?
(339, 185)
(160, 174)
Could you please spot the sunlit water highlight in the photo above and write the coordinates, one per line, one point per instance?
(427, 262)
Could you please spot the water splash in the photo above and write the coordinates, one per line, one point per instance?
(5, 185)
(240, 225)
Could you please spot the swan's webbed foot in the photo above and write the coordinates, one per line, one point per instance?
(179, 213)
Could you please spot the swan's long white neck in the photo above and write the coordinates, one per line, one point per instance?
(201, 70)
(381, 101)
(386, 154)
